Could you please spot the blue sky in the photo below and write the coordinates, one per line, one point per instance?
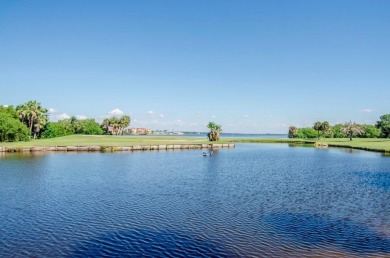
(252, 66)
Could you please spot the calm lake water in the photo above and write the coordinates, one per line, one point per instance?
(254, 200)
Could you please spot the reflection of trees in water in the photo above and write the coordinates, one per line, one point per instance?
(307, 145)
(23, 155)
(349, 150)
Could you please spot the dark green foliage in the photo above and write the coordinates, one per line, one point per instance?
(370, 131)
(347, 130)
(326, 129)
(384, 125)
(72, 126)
(337, 132)
(317, 127)
(306, 133)
(90, 127)
(56, 129)
(323, 129)
(10, 110)
(11, 129)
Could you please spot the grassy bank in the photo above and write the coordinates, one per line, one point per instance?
(269, 140)
(381, 145)
(108, 140)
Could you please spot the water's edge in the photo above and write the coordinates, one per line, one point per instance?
(99, 148)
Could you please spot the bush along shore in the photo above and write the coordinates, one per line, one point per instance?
(98, 148)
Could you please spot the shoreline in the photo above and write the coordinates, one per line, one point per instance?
(99, 148)
(359, 148)
(324, 144)
(118, 143)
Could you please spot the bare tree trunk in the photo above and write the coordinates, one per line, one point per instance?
(31, 125)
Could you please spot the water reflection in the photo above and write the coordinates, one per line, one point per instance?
(307, 145)
(22, 155)
(149, 243)
(315, 231)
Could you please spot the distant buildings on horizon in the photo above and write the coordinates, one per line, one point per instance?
(137, 131)
(145, 131)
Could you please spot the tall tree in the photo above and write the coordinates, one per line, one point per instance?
(325, 128)
(34, 116)
(317, 127)
(352, 129)
(292, 132)
(124, 122)
(370, 131)
(72, 126)
(384, 125)
(116, 125)
(215, 131)
(106, 124)
(11, 129)
(337, 132)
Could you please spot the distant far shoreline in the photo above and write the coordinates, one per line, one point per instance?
(230, 135)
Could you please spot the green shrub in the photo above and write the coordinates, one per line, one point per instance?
(11, 129)
(306, 133)
(370, 131)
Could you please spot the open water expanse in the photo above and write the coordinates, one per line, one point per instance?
(259, 200)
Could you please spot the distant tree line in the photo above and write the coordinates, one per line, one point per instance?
(347, 130)
(31, 121)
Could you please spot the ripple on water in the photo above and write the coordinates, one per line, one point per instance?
(310, 230)
(145, 243)
(251, 201)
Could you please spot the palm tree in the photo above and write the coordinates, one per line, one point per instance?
(124, 122)
(39, 123)
(117, 124)
(325, 127)
(292, 132)
(33, 115)
(75, 125)
(215, 131)
(317, 127)
(106, 124)
(351, 129)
